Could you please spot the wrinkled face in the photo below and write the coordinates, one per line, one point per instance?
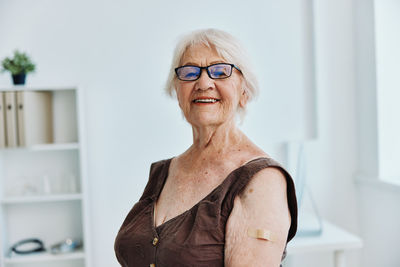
(206, 101)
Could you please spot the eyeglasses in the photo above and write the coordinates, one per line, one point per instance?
(214, 71)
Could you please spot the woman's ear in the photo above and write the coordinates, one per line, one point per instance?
(243, 99)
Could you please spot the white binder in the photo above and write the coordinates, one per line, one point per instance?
(34, 117)
(11, 119)
(2, 121)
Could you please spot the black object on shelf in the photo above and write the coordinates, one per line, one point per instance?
(34, 244)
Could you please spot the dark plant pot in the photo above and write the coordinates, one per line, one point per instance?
(19, 79)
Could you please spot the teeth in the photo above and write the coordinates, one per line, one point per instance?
(210, 100)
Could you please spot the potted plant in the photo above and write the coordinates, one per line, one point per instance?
(19, 66)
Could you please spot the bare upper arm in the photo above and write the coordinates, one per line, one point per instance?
(262, 205)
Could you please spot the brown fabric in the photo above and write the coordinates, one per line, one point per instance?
(195, 237)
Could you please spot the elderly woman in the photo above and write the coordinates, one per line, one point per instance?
(224, 201)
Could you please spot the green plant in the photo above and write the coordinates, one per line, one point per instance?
(19, 64)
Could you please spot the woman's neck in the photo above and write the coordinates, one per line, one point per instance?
(214, 140)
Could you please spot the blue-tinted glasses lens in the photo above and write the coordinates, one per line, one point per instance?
(220, 71)
(188, 73)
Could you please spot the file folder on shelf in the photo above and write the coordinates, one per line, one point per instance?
(34, 117)
(11, 119)
(2, 122)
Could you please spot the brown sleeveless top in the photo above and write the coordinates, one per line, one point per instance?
(195, 237)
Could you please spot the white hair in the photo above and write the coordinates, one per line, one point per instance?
(227, 47)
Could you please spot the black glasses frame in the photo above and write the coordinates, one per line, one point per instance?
(207, 70)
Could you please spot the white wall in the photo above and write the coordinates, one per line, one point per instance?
(387, 39)
(332, 158)
(349, 140)
(378, 201)
(380, 216)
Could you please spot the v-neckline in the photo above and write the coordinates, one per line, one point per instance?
(166, 172)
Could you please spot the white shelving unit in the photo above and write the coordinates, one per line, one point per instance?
(45, 198)
(43, 187)
(46, 257)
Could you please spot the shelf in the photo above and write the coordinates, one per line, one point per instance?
(45, 256)
(44, 147)
(41, 198)
(37, 88)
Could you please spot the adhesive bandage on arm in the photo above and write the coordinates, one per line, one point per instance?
(260, 234)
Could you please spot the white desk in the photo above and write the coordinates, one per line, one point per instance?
(332, 239)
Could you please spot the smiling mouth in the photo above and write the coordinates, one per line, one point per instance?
(205, 100)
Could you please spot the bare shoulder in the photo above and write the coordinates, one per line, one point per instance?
(261, 206)
(267, 183)
(264, 199)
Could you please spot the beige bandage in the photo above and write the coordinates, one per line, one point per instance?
(260, 234)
